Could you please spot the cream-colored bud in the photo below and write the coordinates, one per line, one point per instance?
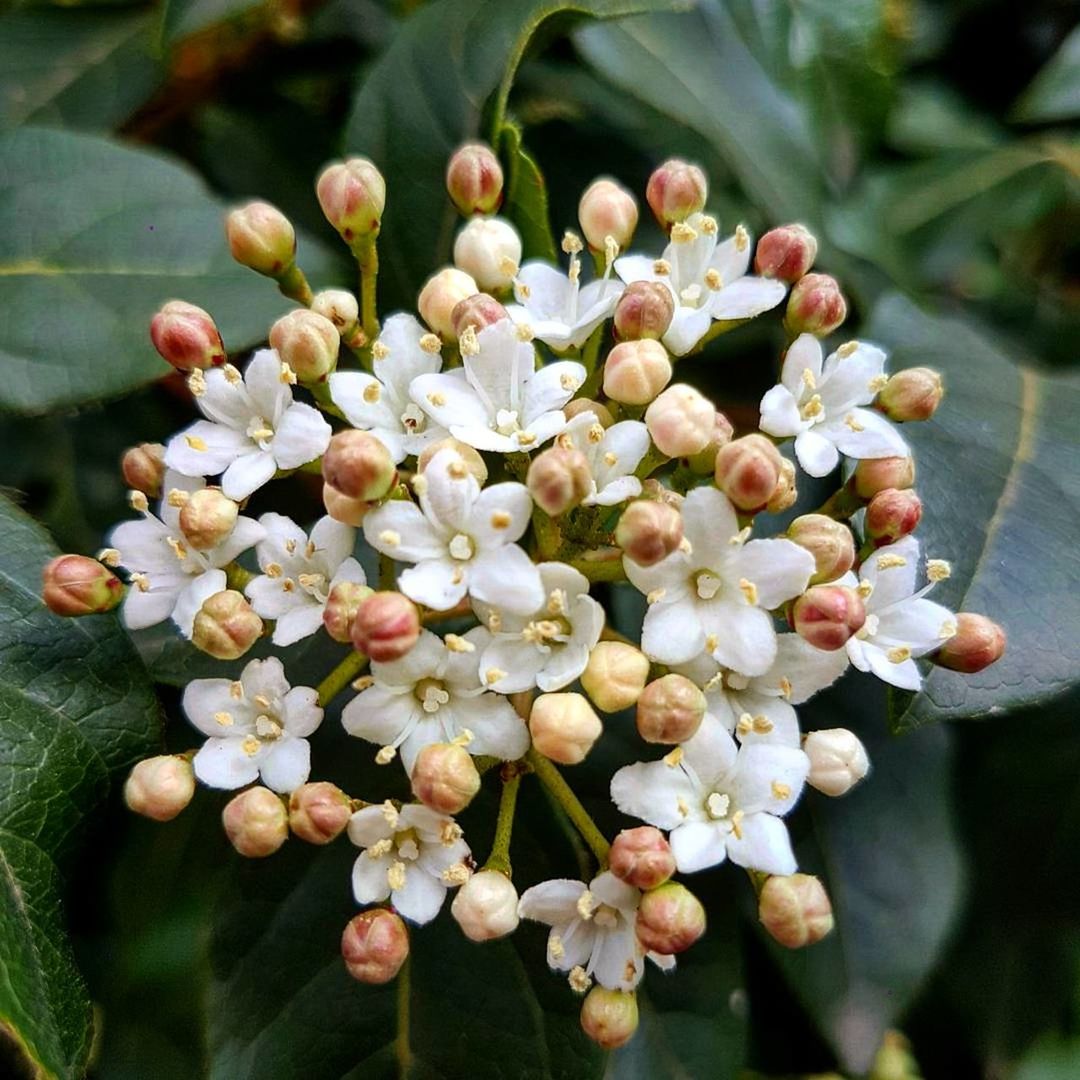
(472, 460)
(829, 541)
(319, 812)
(474, 179)
(584, 405)
(143, 468)
(160, 787)
(785, 492)
(208, 518)
(609, 1017)
(344, 508)
(485, 907)
(748, 471)
(648, 531)
(226, 626)
(352, 195)
(795, 910)
(262, 238)
(339, 306)
(607, 209)
(681, 421)
(878, 474)
(563, 727)
(670, 709)
(615, 675)
(977, 643)
(442, 292)
(444, 777)
(636, 371)
(374, 945)
(489, 251)
(838, 760)
(558, 479)
(342, 604)
(357, 464)
(308, 343)
(256, 822)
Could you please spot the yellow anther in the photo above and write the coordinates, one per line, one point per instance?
(742, 238)
(899, 654)
(749, 590)
(713, 279)
(225, 719)
(847, 349)
(436, 399)
(138, 501)
(938, 569)
(390, 538)
(380, 350)
(458, 644)
(372, 393)
(674, 758)
(431, 343)
(195, 443)
(385, 755)
(661, 267)
(890, 562)
(500, 519)
(780, 791)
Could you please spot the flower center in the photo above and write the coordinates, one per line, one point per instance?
(868, 628)
(813, 408)
(407, 845)
(431, 694)
(413, 419)
(691, 296)
(606, 917)
(717, 805)
(260, 431)
(314, 585)
(461, 547)
(543, 631)
(707, 584)
(506, 422)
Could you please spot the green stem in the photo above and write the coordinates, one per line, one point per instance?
(499, 859)
(841, 504)
(721, 326)
(340, 677)
(320, 391)
(603, 569)
(294, 285)
(547, 533)
(236, 577)
(592, 349)
(560, 790)
(368, 257)
(386, 573)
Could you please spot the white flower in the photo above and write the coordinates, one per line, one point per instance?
(819, 405)
(497, 400)
(460, 538)
(169, 577)
(613, 454)
(718, 801)
(254, 427)
(257, 725)
(714, 593)
(380, 403)
(412, 855)
(298, 573)
(433, 694)
(549, 647)
(592, 929)
(707, 279)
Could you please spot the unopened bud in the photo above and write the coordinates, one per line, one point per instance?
(607, 209)
(352, 195)
(795, 910)
(642, 857)
(442, 292)
(977, 643)
(670, 919)
(829, 541)
(644, 310)
(339, 306)
(656, 491)
(160, 787)
(226, 626)
(319, 812)
(704, 461)
(256, 822)
(785, 253)
(73, 585)
(386, 626)
(748, 471)
(827, 615)
(877, 474)
(563, 727)
(609, 1017)
(681, 421)
(143, 468)
(342, 604)
(308, 343)
(785, 493)
(489, 251)
(374, 946)
(444, 777)
(636, 371)
(474, 179)
(912, 394)
(187, 337)
(208, 518)
(344, 508)
(357, 464)
(471, 459)
(648, 531)
(838, 760)
(584, 405)
(485, 907)
(615, 675)
(892, 514)
(261, 238)
(670, 710)
(558, 479)
(816, 306)
(477, 311)
(675, 191)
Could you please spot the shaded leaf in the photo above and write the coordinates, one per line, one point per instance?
(182, 18)
(1054, 94)
(526, 203)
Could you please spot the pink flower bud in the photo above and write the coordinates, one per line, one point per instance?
(648, 531)
(609, 1017)
(489, 251)
(160, 787)
(681, 421)
(444, 778)
(644, 310)
(477, 311)
(256, 822)
(977, 643)
(642, 857)
(261, 238)
(386, 626)
(748, 471)
(827, 615)
(892, 514)
(838, 760)
(472, 460)
(912, 394)
(319, 812)
(615, 675)
(207, 518)
(675, 191)
(786, 253)
(563, 727)
(785, 493)
(829, 541)
(670, 919)
(485, 907)
(308, 343)
(187, 337)
(877, 474)
(558, 479)
(226, 626)
(339, 306)
(704, 461)
(143, 468)
(816, 306)
(795, 910)
(607, 209)
(344, 508)
(442, 292)
(352, 195)
(358, 465)
(374, 946)
(670, 710)
(474, 179)
(73, 585)
(342, 604)
(636, 371)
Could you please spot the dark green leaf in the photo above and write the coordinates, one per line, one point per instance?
(182, 18)
(1055, 93)
(526, 197)
(1051, 1059)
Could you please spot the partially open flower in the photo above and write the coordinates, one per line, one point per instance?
(76, 585)
(642, 857)
(444, 777)
(374, 946)
(319, 812)
(386, 626)
(143, 468)
(644, 310)
(187, 337)
(308, 343)
(795, 910)
(681, 421)
(256, 822)
(675, 191)
(615, 675)
(474, 179)
(342, 604)
(442, 292)
(670, 919)
(607, 210)
(261, 238)
(670, 710)
(609, 1017)
(160, 787)
(827, 615)
(878, 474)
(838, 760)
(816, 306)
(648, 531)
(977, 643)
(352, 195)
(489, 251)
(486, 906)
(785, 253)
(636, 371)
(892, 514)
(357, 464)
(477, 311)
(912, 394)
(558, 479)
(208, 518)
(226, 626)
(563, 727)
(829, 541)
(748, 471)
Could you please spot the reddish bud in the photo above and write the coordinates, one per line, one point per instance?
(681, 421)
(670, 710)
(748, 471)
(615, 675)
(670, 919)
(913, 394)
(644, 310)
(160, 787)
(892, 515)
(816, 306)
(607, 209)
(829, 541)
(609, 1017)
(795, 910)
(143, 468)
(642, 857)
(342, 604)
(444, 778)
(386, 626)
(442, 292)
(649, 531)
(262, 238)
(73, 585)
(827, 615)
(256, 822)
(485, 907)
(352, 195)
(207, 518)
(838, 760)
(374, 946)
(878, 474)
(977, 643)
(474, 179)
(563, 727)
(675, 191)
(226, 626)
(308, 343)
(358, 465)
(786, 253)
(477, 311)
(636, 371)
(319, 812)
(558, 479)
(187, 337)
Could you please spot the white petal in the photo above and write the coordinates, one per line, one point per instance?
(698, 845)
(143, 547)
(806, 669)
(378, 715)
(778, 569)
(672, 575)
(860, 433)
(352, 392)
(816, 453)
(368, 826)
(203, 698)
(551, 388)
(369, 879)
(435, 583)
(848, 380)
(303, 621)
(143, 609)
(421, 897)
(300, 711)
(804, 354)
(519, 659)
(265, 677)
(497, 729)
(608, 889)
(508, 577)
(262, 380)
(271, 600)
(426, 659)
(780, 413)
(487, 522)
(564, 665)
(711, 753)
(223, 446)
(617, 960)
(732, 257)
(223, 763)
(547, 290)
(636, 268)
(765, 845)
(747, 297)
(918, 624)
(746, 640)
(615, 492)
(406, 360)
(656, 792)
(193, 596)
(301, 436)
(286, 765)
(553, 902)
(672, 632)
(247, 474)
(764, 772)
(448, 496)
(333, 543)
(247, 532)
(904, 675)
(785, 724)
(449, 400)
(709, 522)
(896, 581)
(687, 328)
(400, 530)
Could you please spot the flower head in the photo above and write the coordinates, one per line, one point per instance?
(613, 454)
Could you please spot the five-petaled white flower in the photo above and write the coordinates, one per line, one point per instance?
(168, 576)
(548, 648)
(434, 694)
(707, 279)
(714, 593)
(412, 855)
(718, 800)
(613, 454)
(253, 428)
(820, 405)
(298, 573)
(380, 403)
(498, 400)
(592, 930)
(460, 538)
(257, 726)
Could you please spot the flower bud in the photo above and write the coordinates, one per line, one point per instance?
(795, 910)
(649, 531)
(207, 518)
(607, 209)
(344, 508)
(442, 292)
(187, 337)
(73, 585)
(681, 421)
(785, 253)
(319, 812)
(563, 727)
(261, 238)
(256, 822)
(308, 343)
(609, 1017)
(472, 460)
(912, 394)
(143, 468)
(838, 760)
(785, 493)
(485, 907)
(615, 675)
(892, 514)
(474, 179)
(644, 310)
(358, 465)
(226, 626)
(670, 919)
(160, 787)
(748, 471)
(827, 615)
(374, 946)
(339, 306)
(877, 474)
(829, 541)
(655, 491)
(489, 251)
(444, 777)
(704, 461)
(642, 857)
(977, 643)
(386, 626)
(352, 195)
(636, 371)
(675, 191)
(583, 405)
(816, 306)
(342, 604)
(558, 479)
(477, 311)
(670, 710)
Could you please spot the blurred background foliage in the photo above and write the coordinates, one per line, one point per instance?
(933, 148)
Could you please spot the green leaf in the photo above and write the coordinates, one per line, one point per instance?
(94, 236)
(75, 710)
(1054, 95)
(182, 18)
(526, 202)
(1052, 1059)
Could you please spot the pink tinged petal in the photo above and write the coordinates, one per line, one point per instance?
(300, 711)
(804, 354)
(656, 792)
(223, 763)
(891, 571)
(747, 297)
(769, 777)
(205, 698)
(247, 532)
(369, 881)
(497, 729)
(379, 716)
(921, 625)
(263, 382)
(816, 454)
(421, 897)
(286, 765)
(687, 328)
(364, 400)
(301, 436)
(778, 569)
(709, 522)
(143, 609)
(303, 621)
(698, 845)
(193, 596)
(800, 670)
(551, 388)
(764, 845)
(553, 902)
(449, 400)
(745, 638)
(271, 601)
(507, 577)
(400, 530)
(712, 755)
(500, 515)
(435, 583)
(846, 380)
(247, 474)
(370, 825)
(780, 413)
(223, 445)
(860, 433)
(672, 633)
(617, 960)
